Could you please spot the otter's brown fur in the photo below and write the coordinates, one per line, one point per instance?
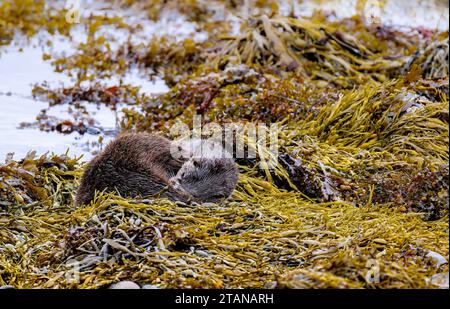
(134, 164)
(141, 164)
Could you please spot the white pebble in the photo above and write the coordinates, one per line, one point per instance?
(440, 280)
(439, 259)
(150, 287)
(125, 285)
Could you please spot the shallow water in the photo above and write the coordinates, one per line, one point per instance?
(397, 13)
(20, 70)
(22, 67)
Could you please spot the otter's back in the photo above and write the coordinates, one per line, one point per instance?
(133, 164)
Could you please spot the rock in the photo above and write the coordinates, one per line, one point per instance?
(270, 285)
(125, 285)
(439, 259)
(150, 287)
(441, 280)
(6, 287)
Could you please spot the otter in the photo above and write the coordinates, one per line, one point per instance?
(209, 175)
(144, 165)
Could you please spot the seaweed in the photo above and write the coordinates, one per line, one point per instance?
(316, 49)
(270, 238)
(28, 18)
(357, 196)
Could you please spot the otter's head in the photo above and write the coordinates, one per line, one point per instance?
(207, 180)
